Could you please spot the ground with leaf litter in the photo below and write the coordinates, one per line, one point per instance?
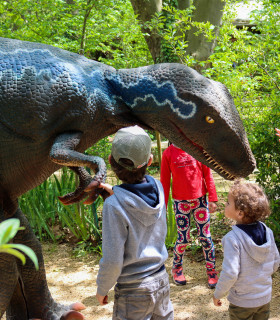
(73, 279)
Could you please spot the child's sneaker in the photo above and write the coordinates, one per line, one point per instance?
(212, 278)
(178, 276)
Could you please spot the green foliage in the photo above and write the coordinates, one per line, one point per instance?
(171, 236)
(89, 27)
(8, 229)
(247, 62)
(101, 149)
(83, 248)
(44, 211)
(171, 25)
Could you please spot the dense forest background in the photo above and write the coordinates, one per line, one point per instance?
(128, 34)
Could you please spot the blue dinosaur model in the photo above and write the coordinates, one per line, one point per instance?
(54, 104)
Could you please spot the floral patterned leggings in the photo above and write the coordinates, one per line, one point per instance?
(199, 209)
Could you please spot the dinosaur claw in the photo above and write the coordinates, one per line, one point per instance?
(77, 306)
(62, 200)
(92, 186)
(73, 197)
(91, 191)
(88, 188)
(91, 199)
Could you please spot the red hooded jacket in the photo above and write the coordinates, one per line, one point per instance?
(190, 178)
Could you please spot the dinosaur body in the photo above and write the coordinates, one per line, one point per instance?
(55, 104)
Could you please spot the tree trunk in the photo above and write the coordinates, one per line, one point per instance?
(183, 4)
(198, 46)
(145, 9)
(159, 147)
(206, 10)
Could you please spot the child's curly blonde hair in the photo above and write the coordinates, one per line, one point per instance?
(251, 200)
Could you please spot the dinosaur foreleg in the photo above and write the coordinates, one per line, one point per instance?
(8, 280)
(63, 153)
(32, 289)
(17, 309)
(8, 276)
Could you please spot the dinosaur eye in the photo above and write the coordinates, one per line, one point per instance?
(209, 119)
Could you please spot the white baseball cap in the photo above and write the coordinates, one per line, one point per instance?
(132, 143)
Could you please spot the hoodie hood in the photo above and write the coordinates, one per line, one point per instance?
(258, 253)
(147, 190)
(139, 208)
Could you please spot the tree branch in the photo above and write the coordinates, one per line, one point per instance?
(266, 73)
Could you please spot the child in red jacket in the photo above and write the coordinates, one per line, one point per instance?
(191, 181)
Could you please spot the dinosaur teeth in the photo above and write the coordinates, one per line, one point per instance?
(230, 176)
(217, 166)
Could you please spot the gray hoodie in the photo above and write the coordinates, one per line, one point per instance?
(247, 269)
(133, 238)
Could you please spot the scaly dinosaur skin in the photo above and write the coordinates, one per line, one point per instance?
(55, 104)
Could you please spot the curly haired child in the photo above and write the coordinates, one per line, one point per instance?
(250, 255)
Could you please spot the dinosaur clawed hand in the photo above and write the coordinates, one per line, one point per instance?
(88, 188)
(91, 192)
(80, 193)
(94, 191)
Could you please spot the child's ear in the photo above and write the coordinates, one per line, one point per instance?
(241, 214)
(150, 160)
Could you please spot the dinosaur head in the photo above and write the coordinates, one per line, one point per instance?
(193, 112)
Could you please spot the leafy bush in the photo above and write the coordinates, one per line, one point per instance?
(89, 27)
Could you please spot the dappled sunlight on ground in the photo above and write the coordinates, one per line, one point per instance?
(73, 279)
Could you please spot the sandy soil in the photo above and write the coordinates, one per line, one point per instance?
(74, 279)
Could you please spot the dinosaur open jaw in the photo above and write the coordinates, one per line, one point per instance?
(212, 162)
(217, 166)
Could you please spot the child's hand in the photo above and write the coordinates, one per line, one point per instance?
(277, 133)
(217, 302)
(212, 207)
(102, 299)
(107, 187)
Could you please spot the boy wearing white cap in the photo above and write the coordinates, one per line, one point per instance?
(134, 231)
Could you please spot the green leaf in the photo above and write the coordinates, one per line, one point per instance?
(8, 229)
(29, 252)
(13, 252)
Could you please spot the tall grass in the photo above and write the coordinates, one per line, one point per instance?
(171, 222)
(45, 212)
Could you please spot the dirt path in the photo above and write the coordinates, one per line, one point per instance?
(74, 279)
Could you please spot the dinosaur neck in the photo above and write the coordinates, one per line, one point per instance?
(145, 90)
(137, 85)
